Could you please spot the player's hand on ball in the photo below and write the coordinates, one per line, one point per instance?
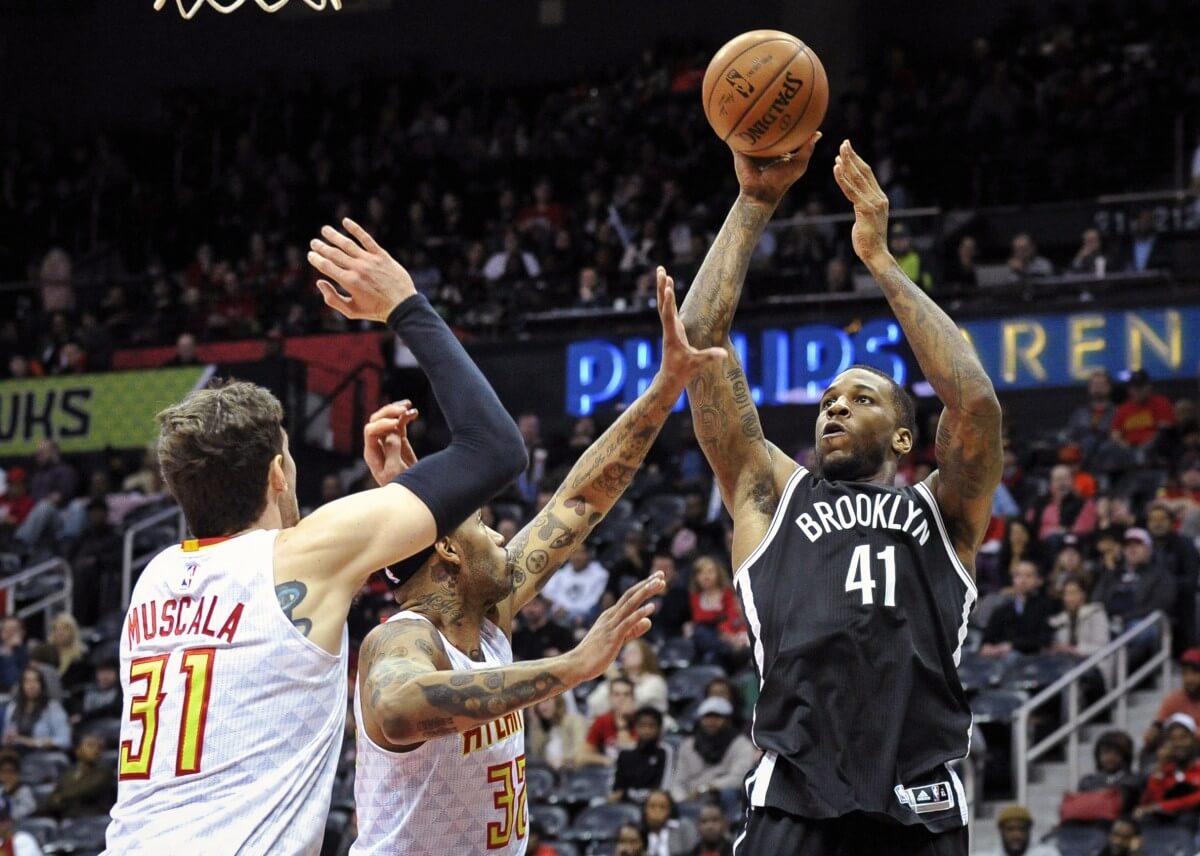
(680, 361)
(386, 449)
(858, 182)
(766, 180)
(374, 283)
(627, 619)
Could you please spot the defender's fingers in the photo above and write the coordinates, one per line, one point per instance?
(327, 267)
(332, 253)
(347, 246)
(333, 298)
(393, 409)
(361, 235)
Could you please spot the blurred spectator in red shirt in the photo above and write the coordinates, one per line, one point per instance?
(718, 629)
(15, 501)
(1137, 420)
(1184, 700)
(1173, 789)
(1071, 456)
(1063, 510)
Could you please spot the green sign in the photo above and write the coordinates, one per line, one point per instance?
(85, 413)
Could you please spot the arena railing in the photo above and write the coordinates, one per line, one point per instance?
(1068, 686)
(130, 562)
(46, 604)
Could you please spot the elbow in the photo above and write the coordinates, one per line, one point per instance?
(982, 403)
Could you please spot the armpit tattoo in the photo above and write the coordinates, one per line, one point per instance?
(290, 595)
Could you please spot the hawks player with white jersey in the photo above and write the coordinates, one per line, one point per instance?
(234, 656)
(441, 743)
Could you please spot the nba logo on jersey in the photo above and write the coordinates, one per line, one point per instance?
(926, 798)
(189, 571)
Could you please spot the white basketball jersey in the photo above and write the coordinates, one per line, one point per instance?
(457, 795)
(233, 719)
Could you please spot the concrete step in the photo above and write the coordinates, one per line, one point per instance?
(1050, 780)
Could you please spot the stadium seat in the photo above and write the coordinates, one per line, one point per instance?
(1035, 672)
(41, 792)
(1080, 839)
(582, 691)
(980, 673)
(109, 627)
(44, 829)
(676, 654)
(1167, 841)
(540, 782)
(39, 767)
(688, 684)
(662, 509)
(996, 705)
(86, 833)
(553, 818)
(581, 786)
(108, 730)
(691, 809)
(602, 821)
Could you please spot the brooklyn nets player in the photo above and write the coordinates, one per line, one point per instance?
(856, 591)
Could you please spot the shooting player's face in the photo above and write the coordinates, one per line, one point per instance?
(856, 426)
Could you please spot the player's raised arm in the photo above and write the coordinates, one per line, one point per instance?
(603, 472)
(726, 420)
(352, 537)
(410, 695)
(968, 444)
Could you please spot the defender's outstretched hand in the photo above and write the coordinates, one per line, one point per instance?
(374, 283)
(627, 619)
(386, 449)
(858, 182)
(766, 180)
(680, 361)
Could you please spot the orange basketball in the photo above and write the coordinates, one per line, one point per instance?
(765, 93)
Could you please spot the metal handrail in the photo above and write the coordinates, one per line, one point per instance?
(1023, 754)
(129, 562)
(44, 604)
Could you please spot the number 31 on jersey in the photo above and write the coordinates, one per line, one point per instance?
(196, 666)
(860, 578)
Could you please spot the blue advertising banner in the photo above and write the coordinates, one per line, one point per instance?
(789, 366)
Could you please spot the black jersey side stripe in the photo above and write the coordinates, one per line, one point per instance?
(971, 594)
(776, 521)
(967, 579)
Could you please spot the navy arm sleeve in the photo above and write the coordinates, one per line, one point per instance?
(486, 451)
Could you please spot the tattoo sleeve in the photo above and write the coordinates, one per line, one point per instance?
(290, 595)
(589, 491)
(968, 445)
(726, 420)
(415, 697)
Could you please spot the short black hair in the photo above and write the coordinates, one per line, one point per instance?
(906, 410)
(652, 712)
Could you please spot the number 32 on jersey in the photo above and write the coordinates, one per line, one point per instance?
(196, 665)
(859, 577)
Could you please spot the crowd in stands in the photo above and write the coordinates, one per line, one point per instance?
(562, 196)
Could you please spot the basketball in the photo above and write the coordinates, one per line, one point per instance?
(765, 93)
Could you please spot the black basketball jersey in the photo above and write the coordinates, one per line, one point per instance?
(857, 607)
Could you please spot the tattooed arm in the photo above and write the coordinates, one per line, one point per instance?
(724, 414)
(409, 694)
(968, 444)
(603, 472)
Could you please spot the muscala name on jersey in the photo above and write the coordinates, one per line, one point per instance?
(183, 617)
(879, 511)
(483, 736)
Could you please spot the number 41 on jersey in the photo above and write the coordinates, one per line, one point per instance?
(860, 578)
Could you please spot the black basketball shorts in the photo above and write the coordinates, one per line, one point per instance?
(771, 832)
